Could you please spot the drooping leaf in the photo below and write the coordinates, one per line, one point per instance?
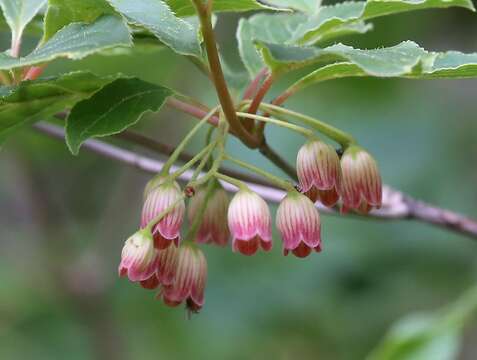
(75, 41)
(117, 106)
(18, 13)
(64, 12)
(35, 100)
(406, 60)
(185, 8)
(157, 17)
(336, 15)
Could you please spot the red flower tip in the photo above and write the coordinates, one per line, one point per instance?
(361, 188)
(319, 172)
(159, 196)
(250, 223)
(213, 229)
(299, 223)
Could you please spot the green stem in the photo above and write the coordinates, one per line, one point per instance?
(301, 130)
(204, 13)
(202, 163)
(272, 178)
(221, 138)
(175, 155)
(239, 184)
(342, 138)
(191, 162)
(163, 213)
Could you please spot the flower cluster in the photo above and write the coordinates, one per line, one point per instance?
(324, 177)
(156, 256)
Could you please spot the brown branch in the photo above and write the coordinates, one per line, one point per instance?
(228, 107)
(396, 205)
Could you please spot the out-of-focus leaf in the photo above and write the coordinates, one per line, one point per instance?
(331, 16)
(428, 336)
(307, 6)
(112, 109)
(64, 12)
(35, 100)
(18, 13)
(406, 60)
(157, 17)
(75, 41)
(185, 8)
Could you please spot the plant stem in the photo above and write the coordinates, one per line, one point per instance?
(191, 162)
(337, 135)
(250, 91)
(301, 130)
(175, 155)
(194, 110)
(204, 13)
(203, 163)
(239, 184)
(272, 178)
(257, 100)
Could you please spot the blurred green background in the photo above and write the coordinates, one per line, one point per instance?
(63, 221)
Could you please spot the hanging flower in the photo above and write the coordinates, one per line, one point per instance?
(190, 278)
(213, 228)
(298, 221)
(361, 189)
(319, 172)
(139, 257)
(250, 223)
(158, 198)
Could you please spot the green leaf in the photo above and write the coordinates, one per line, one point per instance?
(429, 336)
(157, 17)
(279, 29)
(185, 8)
(112, 109)
(75, 41)
(18, 13)
(332, 16)
(406, 60)
(306, 6)
(36, 100)
(276, 28)
(64, 12)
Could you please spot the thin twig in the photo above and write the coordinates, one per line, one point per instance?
(396, 205)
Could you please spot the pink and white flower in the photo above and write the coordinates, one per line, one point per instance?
(250, 223)
(139, 258)
(213, 228)
(158, 198)
(299, 223)
(361, 188)
(319, 172)
(189, 280)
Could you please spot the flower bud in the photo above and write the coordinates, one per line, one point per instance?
(189, 280)
(250, 223)
(213, 228)
(139, 257)
(361, 188)
(167, 265)
(319, 172)
(158, 199)
(298, 221)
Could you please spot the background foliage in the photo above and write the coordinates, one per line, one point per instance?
(63, 221)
